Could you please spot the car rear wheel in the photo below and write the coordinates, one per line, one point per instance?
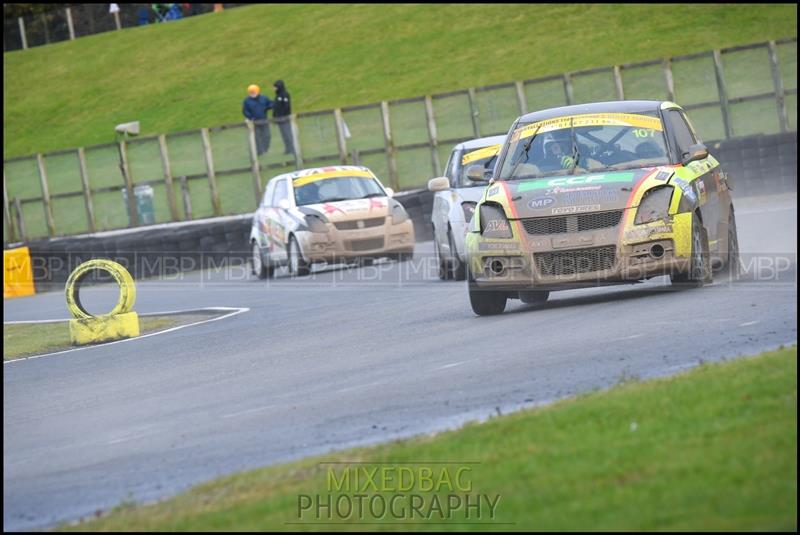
(534, 297)
(733, 265)
(259, 268)
(298, 267)
(700, 264)
(485, 302)
(458, 270)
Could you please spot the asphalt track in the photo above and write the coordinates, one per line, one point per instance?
(346, 357)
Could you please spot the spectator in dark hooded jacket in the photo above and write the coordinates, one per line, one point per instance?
(281, 112)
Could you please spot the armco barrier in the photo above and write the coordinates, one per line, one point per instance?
(168, 249)
(758, 165)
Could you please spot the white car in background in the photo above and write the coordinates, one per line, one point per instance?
(328, 214)
(457, 192)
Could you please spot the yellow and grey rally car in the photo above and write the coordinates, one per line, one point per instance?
(595, 194)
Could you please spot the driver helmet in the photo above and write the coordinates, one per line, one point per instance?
(557, 144)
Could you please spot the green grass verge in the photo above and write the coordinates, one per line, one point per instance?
(711, 449)
(192, 73)
(26, 339)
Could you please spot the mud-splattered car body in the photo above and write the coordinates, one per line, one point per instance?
(327, 214)
(664, 207)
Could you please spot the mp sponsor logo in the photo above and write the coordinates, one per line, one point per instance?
(541, 202)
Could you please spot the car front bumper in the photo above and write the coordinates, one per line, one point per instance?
(334, 245)
(581, 259)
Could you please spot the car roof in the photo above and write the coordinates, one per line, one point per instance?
(615, 106)
(314, 170)
(481, 142)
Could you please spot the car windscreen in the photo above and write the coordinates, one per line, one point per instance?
(483, 157)
(308, 190)
(585, 143)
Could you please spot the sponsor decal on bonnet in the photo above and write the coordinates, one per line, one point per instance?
(541, 202)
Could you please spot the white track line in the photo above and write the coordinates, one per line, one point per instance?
(234, 312)
(748, 323)
(145, 314)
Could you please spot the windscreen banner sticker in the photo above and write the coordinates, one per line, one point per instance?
(354, 173)
(480, 154)
(576, 181)
(634, 120)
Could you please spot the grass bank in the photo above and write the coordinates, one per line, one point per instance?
(711, 449)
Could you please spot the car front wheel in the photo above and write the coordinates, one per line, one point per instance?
(259, 268)
(700, 264)
(485, 302)
(298, 267)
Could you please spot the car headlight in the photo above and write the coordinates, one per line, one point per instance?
(494, 223)
(399, 214)
(654, 205)
(316, 223)
(469, 210)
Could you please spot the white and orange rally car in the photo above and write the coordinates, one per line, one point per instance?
(327, 214)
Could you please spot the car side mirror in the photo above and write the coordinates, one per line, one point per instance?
(283, 204)
(695, 152)
(440, 183)
(476, 173)
(389, 192)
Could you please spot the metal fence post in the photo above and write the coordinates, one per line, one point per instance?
(212, 176)
(255, 167)
(618, 83)
(341, 142)
(70, 25)
(126, 177)
(166, 168)
(87, 190)
(48, 207)
(187, 199)
(723, 94)
(388, 141)
(474, 112)
(522, 99)
(432, 136)
(23, 233)
(298, 154)
(568, 92)
(22, 35)
(7, 221)
(666, 67)
(777, 82)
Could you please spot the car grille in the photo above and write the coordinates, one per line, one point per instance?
(537, 226)
(575, 262)
(353, 225)
(365, 245)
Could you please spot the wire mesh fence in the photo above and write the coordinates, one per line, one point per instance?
(79, 20)
(209, 172)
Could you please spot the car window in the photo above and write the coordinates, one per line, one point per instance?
(585, 143)
(485, 157)
(331, 189)
(680, 131)
(280, 192)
